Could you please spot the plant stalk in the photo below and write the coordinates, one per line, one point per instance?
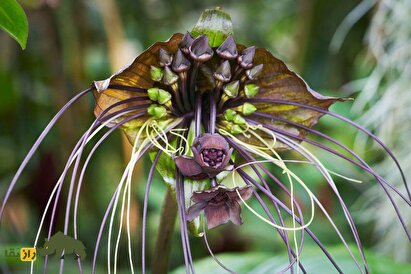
(162, 248)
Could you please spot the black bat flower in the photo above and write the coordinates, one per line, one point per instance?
(201, 104)
(211, 156)
(220, 205)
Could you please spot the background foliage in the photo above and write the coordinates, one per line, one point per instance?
(73, 42)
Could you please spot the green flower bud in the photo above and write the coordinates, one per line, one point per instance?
(231, 89)
(156, 73)
(229, 114)
(153, 94)
(248, 109)
(159, 95)
(236, 129)
(157, 111)
(239, 120)
(169, 76)
(163, 96)
(251, 90)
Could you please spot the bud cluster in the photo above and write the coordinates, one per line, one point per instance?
(231, 71)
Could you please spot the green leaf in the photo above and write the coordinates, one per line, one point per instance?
(13, 20)
(216, 24)
(312, 259)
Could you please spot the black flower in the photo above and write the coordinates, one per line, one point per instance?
(211, 155)
(220, 205)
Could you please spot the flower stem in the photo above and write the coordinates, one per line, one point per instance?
(162, 249)
(213, 113)
(191, 92)
(197, 115)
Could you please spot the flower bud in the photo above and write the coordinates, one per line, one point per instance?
(180, 62)
(231, 89)
(236, 129)
(254, 72)
(239, 120)
(229, 114)
(169, 77)
(246, 58)
(157, 111)
(200, 49)
(159, 95)
(165, 58)
(248, 109)
(251, 90)
(156, 73)
(186, 42)
(223, 72)
(163, 96)
(228, 49)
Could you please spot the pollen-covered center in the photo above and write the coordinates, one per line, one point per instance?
(213, 157)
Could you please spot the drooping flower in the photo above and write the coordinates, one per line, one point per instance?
(200, 104)
(220, 205)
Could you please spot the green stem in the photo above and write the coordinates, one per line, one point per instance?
(162, 249)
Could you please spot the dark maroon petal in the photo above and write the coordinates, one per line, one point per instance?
(197, 156)
(227, 157)
(235, 213)
(204, 195)
(216, 141)
(217, 215)
(195, 210)
(245, 193)
(212, 171)
(187, 166)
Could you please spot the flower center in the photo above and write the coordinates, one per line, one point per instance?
(221, 197)
(213, 157)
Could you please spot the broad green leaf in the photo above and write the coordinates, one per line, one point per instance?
(13, 20)
(312, 258)
(216, 24)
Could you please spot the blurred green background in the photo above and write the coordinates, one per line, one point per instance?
(73, 42)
